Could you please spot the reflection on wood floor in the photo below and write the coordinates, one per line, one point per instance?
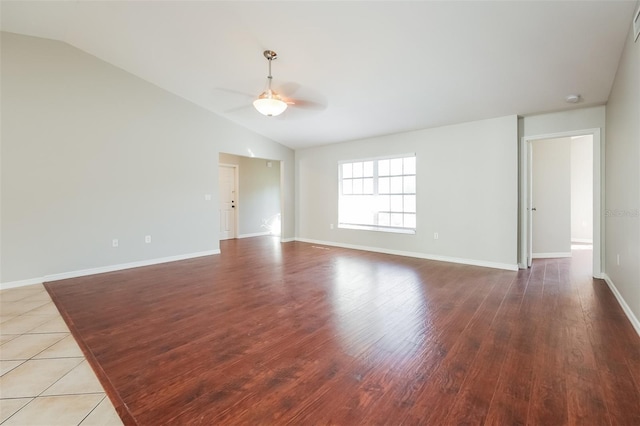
(271, 333)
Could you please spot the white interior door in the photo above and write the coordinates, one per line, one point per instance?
(530, 206)
(228, 192)
(551, 195)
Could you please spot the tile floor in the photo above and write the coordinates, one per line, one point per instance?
(44, 377)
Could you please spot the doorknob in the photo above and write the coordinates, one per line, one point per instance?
(533, 209)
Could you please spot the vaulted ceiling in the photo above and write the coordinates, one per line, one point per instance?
(355, 68)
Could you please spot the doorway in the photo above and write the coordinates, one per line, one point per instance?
(556, 210)
(254, 207)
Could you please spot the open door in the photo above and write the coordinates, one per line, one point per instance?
(530, 208)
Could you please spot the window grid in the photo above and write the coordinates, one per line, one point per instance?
(378, 194)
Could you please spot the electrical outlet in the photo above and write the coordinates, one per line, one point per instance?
(435, 236)
(331, 226)
(207, 197)
(114, 242)
(147, 239)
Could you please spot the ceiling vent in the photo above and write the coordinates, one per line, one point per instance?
(636, 24)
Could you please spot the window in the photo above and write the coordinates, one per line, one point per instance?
(378, 195)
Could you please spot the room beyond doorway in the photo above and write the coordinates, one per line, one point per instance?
(528, 209)
(256, 203)
(561, 194)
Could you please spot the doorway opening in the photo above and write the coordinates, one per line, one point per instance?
(250, 197)
(561, 196)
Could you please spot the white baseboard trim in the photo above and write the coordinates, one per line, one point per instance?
(110, 268)
(287, 240)
(550, 255)
(582, 240)
(494, 265)
(120, 267)
(255, 234)
(623, 304)
(21, 283)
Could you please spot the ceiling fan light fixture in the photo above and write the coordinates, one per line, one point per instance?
(270, 104)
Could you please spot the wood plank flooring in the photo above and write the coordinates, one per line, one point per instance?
(271, 333)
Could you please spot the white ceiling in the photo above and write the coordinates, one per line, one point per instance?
(366, 68)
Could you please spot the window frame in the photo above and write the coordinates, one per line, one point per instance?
(375, 196)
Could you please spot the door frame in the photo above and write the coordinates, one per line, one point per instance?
(598, 196)
(236, 216)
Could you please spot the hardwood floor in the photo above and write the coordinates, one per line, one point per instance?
(270, 333)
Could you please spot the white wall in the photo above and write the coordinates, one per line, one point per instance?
(582, 189)
(623, 181)
(552, 197)
(564, 121)
(467, 192)
(91, 153)
(258, 203)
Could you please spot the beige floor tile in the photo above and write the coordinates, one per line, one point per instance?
(53, 325)
(34, 376)
(22, 324)
(27, 346)
(4, 318)
(56, 410)
(4, 338)
(19, 307)
(6, 366)
(65, 348)
(36, 297)
(30, 325)
(13, 294)
(103, 415)
(9, 406)
(80, 380)
(48, 309)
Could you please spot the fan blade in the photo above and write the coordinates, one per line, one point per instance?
(304, 104)
(301, 97)
(233, 92)
(288, 89)
(236, 109)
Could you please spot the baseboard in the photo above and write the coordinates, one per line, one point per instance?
(550, 255)
(103, 269)
(623, 304)
(287, 240)
(473, 262)
(255, 234)
(582, 240)
(21, 283)
(120, 267)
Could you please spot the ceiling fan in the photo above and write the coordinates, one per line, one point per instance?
(272, 103)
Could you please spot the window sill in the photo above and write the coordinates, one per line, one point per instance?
(378, 228)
